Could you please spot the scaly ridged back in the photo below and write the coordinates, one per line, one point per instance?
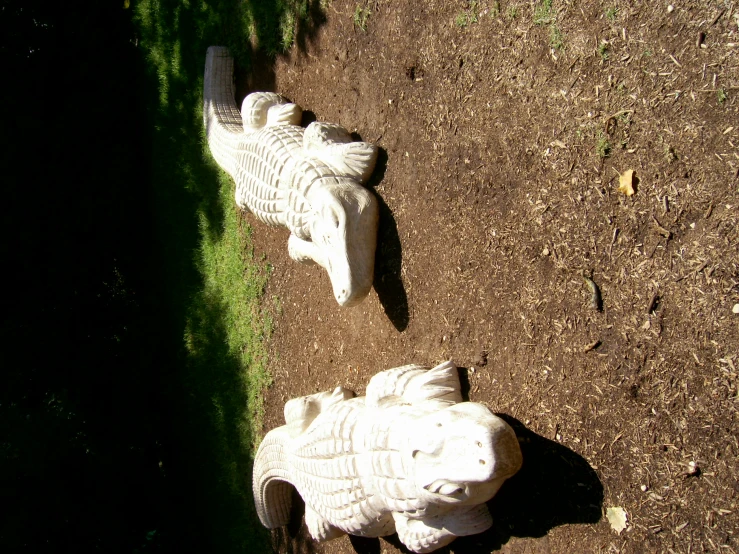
(265, 162)
(325, 472)
(352, 482)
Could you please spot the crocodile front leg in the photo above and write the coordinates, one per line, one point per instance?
(429, 533)
(419, 536)
(319, 527)
(305, 251)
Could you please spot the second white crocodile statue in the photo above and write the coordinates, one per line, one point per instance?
(306, 179)
(410, 457)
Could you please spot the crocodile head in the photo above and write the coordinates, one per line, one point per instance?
(462, 454)
(343, 231)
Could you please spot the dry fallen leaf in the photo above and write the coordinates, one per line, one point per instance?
(617, 518)
(626, 182)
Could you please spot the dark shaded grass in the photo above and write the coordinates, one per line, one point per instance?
(131, 328)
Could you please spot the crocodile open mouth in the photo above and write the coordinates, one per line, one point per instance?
(445, 488)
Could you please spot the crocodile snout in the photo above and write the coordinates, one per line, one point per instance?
(347, 295)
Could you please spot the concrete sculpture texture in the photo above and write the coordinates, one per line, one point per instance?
(306, 179)
(410, 457)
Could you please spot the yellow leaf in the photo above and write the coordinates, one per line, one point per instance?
(626, 182)
(618, 518)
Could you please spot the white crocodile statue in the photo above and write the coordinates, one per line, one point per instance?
(306, 179)
(410, 458)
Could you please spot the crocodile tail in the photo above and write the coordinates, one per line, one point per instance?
(221, 116)
(271, 480)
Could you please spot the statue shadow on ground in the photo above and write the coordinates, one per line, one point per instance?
(259, 75)
(388, 260)
(307, 28)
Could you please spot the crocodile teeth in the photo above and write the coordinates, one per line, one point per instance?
(435, 486)
(450, 489)
(442, 486)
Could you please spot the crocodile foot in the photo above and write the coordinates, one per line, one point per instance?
(430, 533)
(304, 251)
(319, 527)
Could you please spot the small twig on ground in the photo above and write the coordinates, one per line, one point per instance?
(592, 346)
(652, 302)
(696, 272)
(718, 16)
(610, 447)
(614, 116)
(662, 231)
(613, 241)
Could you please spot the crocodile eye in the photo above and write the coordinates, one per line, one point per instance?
(479, 444)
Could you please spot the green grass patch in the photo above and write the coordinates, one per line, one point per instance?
(360, 17)
(543, 13)
(603, 146)
(546, 15)
(233, 287)
(214, 283)
(555, 38)
(468, 16)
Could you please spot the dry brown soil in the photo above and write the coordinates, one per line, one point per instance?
(496, 203)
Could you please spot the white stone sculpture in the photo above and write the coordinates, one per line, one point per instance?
(306, 179)
(411, 457)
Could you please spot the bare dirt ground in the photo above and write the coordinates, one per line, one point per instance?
(502, 143)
